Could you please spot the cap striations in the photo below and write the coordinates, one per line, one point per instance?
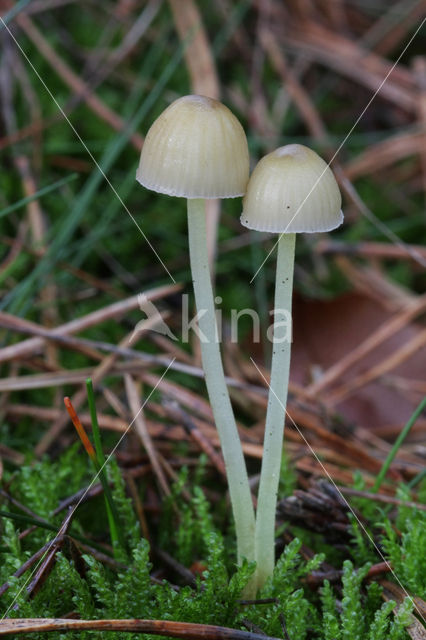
(292, 190)
(195, 149)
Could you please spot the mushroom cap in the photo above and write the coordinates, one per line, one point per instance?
(195, 149)
(292, 190)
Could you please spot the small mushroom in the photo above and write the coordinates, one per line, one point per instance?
(195, 149)
(291, 190)
(198, 149)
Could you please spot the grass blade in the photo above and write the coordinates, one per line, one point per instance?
(39, 194)
(398, 442)
(112, 514)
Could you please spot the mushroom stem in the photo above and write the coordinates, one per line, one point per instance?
(239, 489)
(275, 415)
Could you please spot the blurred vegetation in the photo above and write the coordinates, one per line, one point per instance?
(80, 172)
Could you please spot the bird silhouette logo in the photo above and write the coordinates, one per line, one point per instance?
(158, 325)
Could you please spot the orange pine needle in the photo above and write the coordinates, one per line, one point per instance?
(80, 430)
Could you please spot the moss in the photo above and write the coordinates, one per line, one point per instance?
(95, 590)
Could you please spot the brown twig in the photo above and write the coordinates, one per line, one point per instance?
(33, 345)
(413, 345)
(352, 60)
(75, 83)
(385, 153)
(134, 399)
(379, 497)
(369, 249)
(48, 559)
(380, 335)
(190, 630)
(180, 416)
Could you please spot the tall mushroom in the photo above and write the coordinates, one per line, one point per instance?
(291, 190)
(197, 149)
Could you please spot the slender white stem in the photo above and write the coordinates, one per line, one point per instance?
(236, 471)
(275, 415)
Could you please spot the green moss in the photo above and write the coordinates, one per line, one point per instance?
(190, 528)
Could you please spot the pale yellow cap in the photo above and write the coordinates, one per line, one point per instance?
(292, 190)
(195, 149)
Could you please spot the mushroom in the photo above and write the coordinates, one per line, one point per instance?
(291, 190)
(197, 149)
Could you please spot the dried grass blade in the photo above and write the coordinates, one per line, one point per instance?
(190, 630)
